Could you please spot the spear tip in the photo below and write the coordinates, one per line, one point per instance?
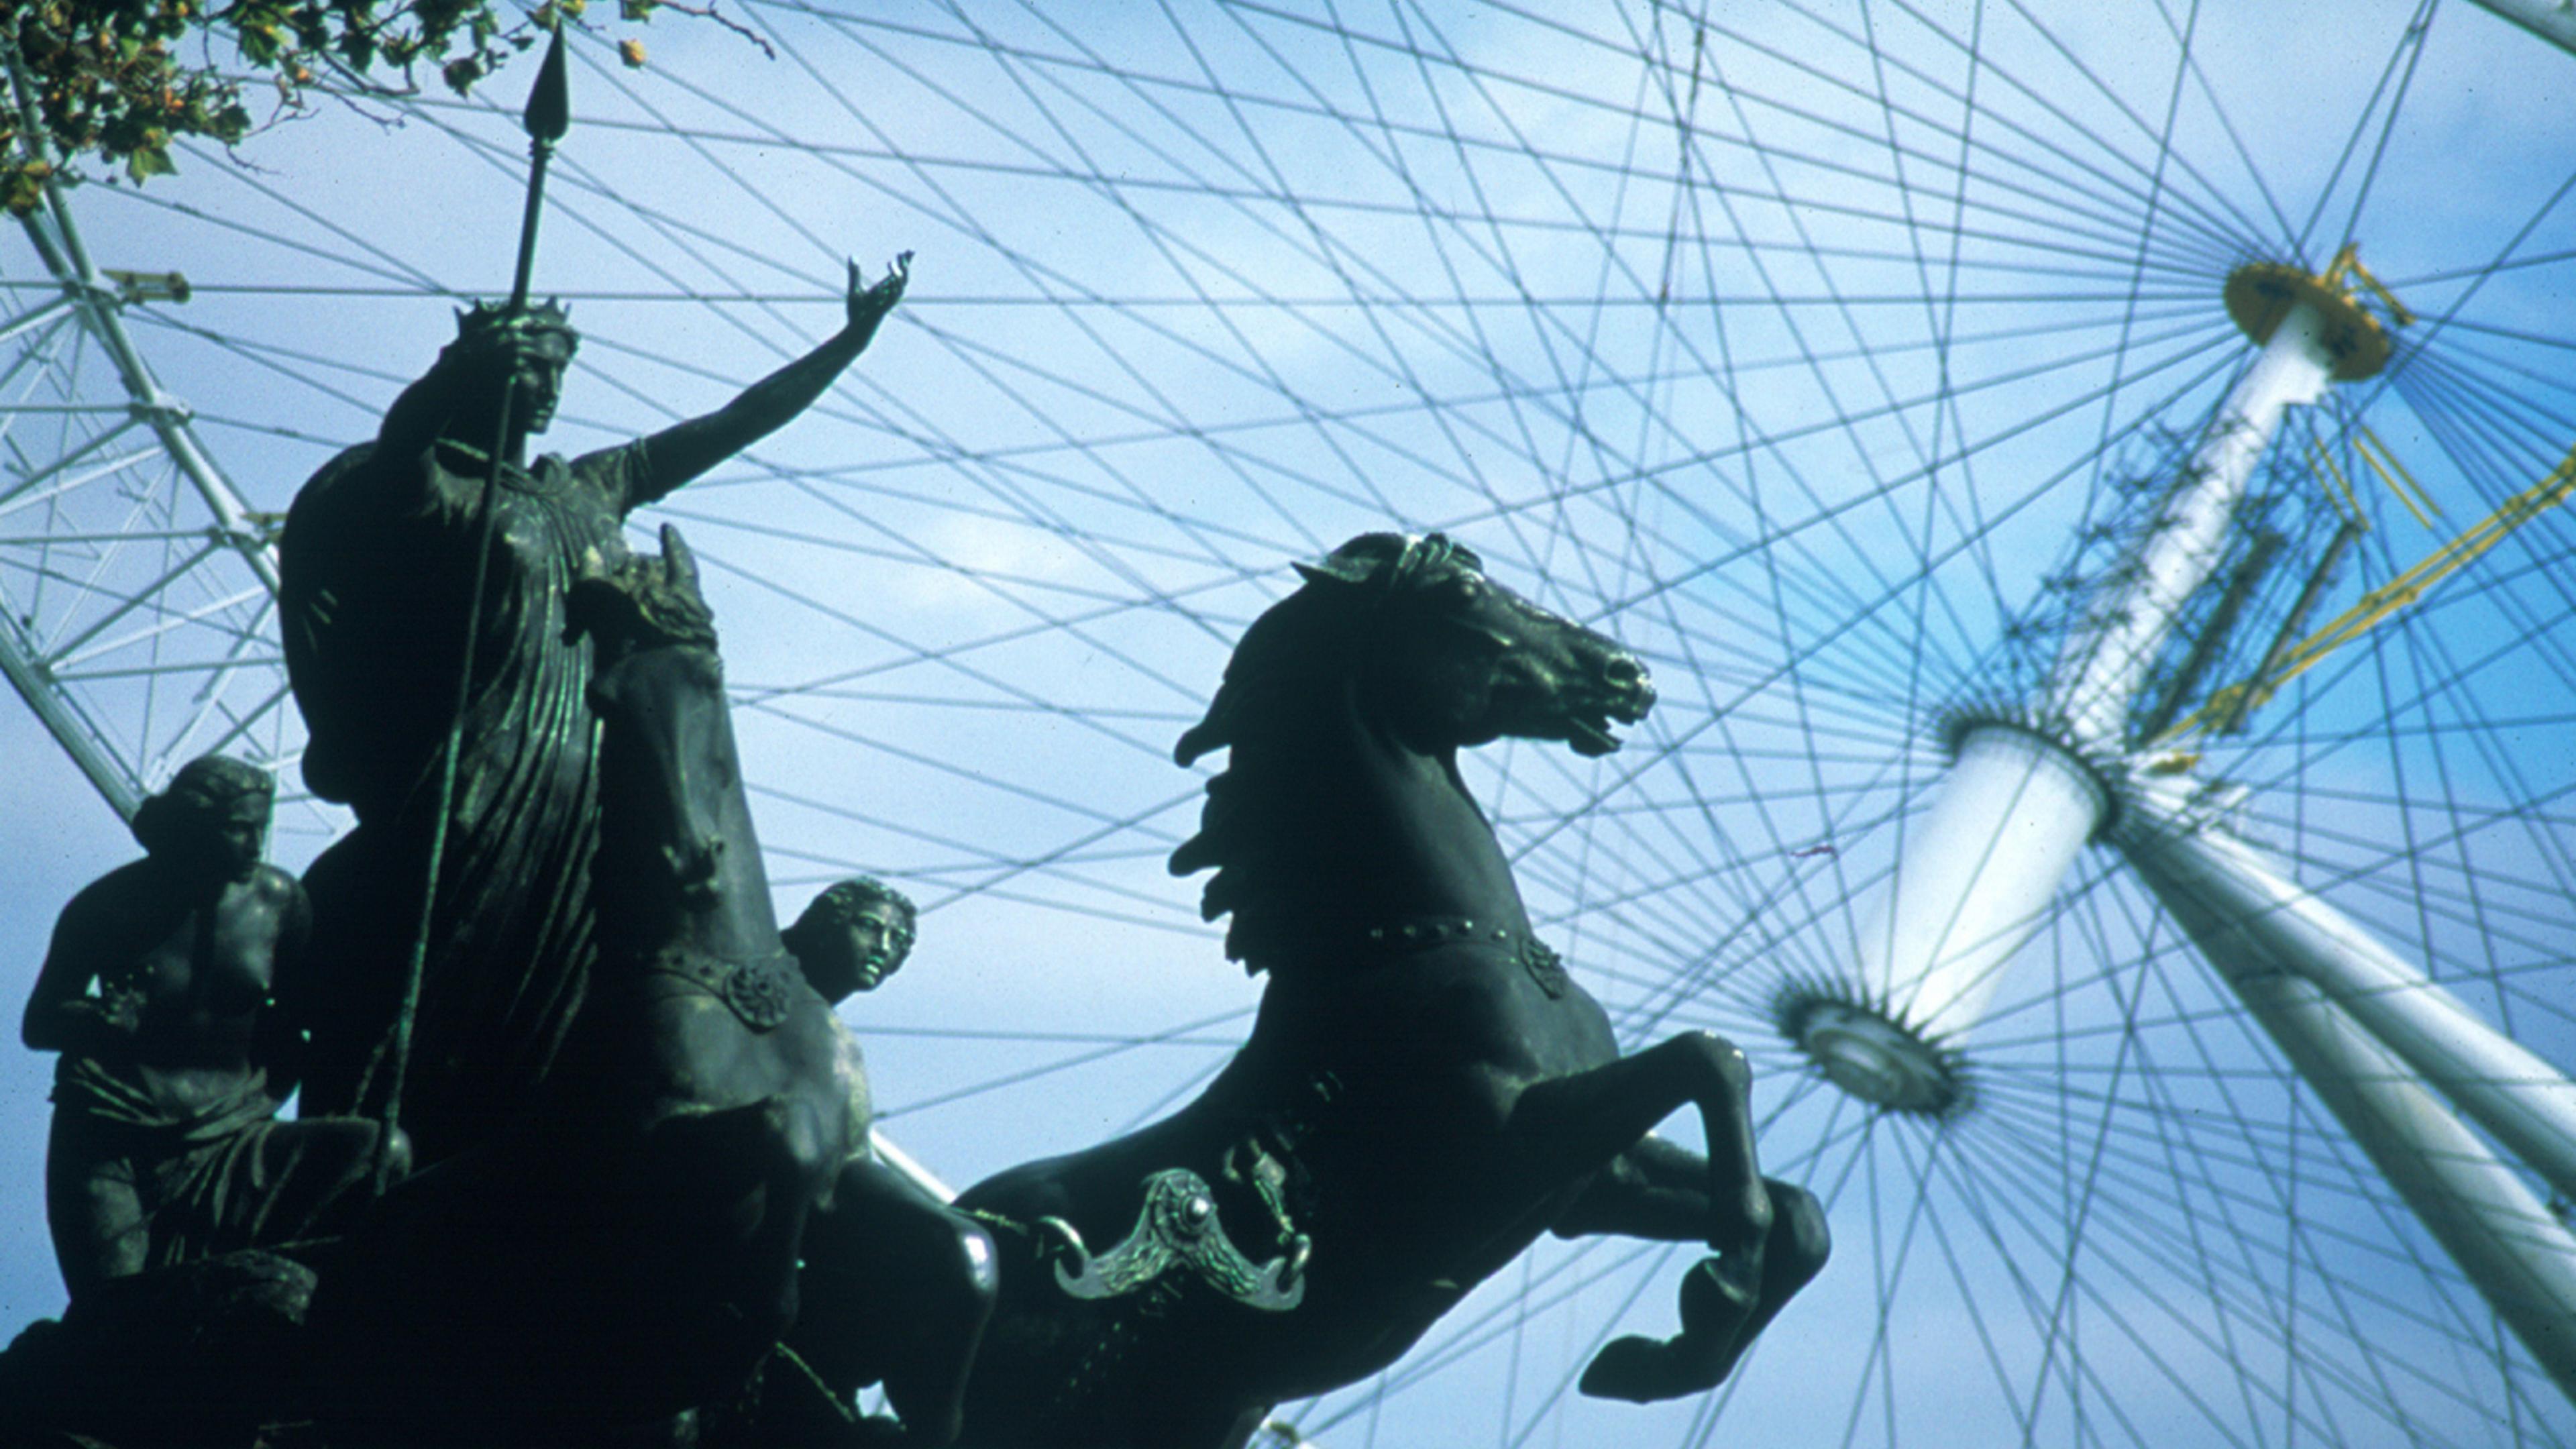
(549, 112)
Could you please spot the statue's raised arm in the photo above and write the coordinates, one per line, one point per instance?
(678, 454)
(379, 593)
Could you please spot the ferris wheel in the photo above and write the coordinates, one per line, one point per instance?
(2092, 490)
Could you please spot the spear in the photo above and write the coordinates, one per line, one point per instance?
(547, 117)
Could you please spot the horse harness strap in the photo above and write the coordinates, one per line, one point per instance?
(758, 991)
(1422, 933)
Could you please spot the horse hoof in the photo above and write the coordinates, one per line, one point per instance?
(1719, 1294)
(1718, 1298)
(1636, 1370)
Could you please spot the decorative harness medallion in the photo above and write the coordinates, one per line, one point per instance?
(1545, 967)
(1422, 933)
(759, 992)
(1177, 1228)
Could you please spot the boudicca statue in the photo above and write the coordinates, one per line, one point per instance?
(379, 568)
(545, 967)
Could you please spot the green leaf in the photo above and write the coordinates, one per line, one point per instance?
(149, 161)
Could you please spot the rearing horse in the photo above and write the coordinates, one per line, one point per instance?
(630, 1248)
(1425, 1090)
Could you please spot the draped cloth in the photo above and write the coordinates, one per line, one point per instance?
(377, 589)
(136, 1183)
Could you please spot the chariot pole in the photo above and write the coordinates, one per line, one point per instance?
(547, 117)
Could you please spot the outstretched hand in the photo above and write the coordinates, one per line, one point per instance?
(869, 305)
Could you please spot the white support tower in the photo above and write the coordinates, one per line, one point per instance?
(2396, 1059)
(2375, 1039)
(1977, 872)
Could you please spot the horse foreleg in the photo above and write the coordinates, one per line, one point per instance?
(898, 1288)
(1657, 1190)
(1588, 1121)
(1605, 1114)
(1654, 1189)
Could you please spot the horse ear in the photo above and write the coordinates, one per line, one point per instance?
(1441, 548)
(1331, 571)
(1195, 741)
(682, 565)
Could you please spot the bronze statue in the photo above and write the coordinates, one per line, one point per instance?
(379, 564)
(164, 1147)
(1426, 1088)
(896, 1285)
(852, 936)
(628, 1250)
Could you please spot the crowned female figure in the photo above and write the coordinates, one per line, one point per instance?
(379, 591)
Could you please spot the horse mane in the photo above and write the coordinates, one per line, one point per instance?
(1293, 652)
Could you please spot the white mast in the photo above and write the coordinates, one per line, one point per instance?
(1978, 870)
(2372, 1035)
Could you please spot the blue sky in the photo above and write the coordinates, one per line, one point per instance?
(1787, 363)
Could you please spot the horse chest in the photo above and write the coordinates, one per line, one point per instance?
(1463, 1010)
(683, 1047)
(1387, 1093)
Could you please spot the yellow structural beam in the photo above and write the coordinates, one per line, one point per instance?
(2349, 506)
(2347, 263)
(2388, 599)
(2393, 473)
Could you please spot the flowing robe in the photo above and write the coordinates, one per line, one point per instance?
(378, 586)
(134, 1182)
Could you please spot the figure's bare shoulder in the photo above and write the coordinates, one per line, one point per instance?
(272, 886)
(105, 917)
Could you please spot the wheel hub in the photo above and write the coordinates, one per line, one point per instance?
(1871, 1052)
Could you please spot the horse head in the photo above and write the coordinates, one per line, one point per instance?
(1445, 656)
(1406, 642)
(676, 831)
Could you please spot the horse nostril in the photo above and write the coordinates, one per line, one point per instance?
(695, 863)
(1627, 677)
